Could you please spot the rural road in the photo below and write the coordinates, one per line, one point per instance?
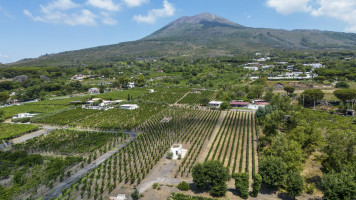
(46, 129)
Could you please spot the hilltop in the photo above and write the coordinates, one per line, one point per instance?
(203, 35)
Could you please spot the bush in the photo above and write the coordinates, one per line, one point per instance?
(169, 155)
(339, 185)
(242, 184)
(155, 185)
(342, 85)
(257, 182)
(183, 186)
(310, 188)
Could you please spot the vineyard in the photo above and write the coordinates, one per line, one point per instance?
(235, 145)
(123, 95)
(131, 164)
(195, 98)
(114, 119)
(70, 142)
(8, 131)
(169, 96)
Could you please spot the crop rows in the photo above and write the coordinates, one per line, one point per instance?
(70, 142)
(194, 98)
(234, 144)
(8, 131)
(114, 119)
(132, 163)
(170, 95)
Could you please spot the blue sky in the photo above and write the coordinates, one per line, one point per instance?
(30, 28)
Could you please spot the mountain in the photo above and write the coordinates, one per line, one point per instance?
(205, 34)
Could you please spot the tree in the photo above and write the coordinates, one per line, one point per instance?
(272, 170)
(311, 96)
(204, 101)
(242, 184)
(255, 91)
(345, 94)
(211, 175)
(289, 89)
(339, 149)
(224, 105)
(140, 81)
(256, 186)
(342, 85)
(294, 183)
(337, 186)
(4, 96)
(183, 186)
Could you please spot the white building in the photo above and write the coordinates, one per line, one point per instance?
(94, 91)
(118, 197)
(129, 106)
(177, 150)
(215, 103)
(131, 85)
(251, 68)
(23, 115)
(314, 65)
(151, 90)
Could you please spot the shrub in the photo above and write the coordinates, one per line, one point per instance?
(155, 185)
(242, 184)
(272, 170)
(169, 155)
(294, 183)
(184, 186)
(257, 181)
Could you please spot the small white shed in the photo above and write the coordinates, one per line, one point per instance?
(118, 197)
(94, 91)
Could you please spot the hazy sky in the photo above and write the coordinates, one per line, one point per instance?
(30, 28)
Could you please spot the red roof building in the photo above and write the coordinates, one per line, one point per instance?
(239, 104)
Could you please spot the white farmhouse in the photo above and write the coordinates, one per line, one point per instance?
(215, 103)
(23, 115)
(251, 68)
(129, 106)
(151, 90)
(131, 85)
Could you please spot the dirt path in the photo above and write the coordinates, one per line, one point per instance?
(251, 153)
(240, 143)
(245, 146)
(205, 151)
(255, 143)
(230, 140)
(176, 103)
(235, 148)
(56, 191)
(24, 138)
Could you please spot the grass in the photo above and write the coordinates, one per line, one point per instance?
(8, 131)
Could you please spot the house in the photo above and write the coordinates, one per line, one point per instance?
(254, 77)
(177, 150)
(258, 101)
(215, 103)
(118, 197)
(131, 85)
(235, 104)
(251, 68)
(151, 90)
(290, 67)
(314, 65)
(94, 91)
(129, 106)
(23, 115)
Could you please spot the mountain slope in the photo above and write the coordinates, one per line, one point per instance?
(205, 34)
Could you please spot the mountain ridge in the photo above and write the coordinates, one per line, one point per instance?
(206, 35)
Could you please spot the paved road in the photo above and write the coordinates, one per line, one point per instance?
(56, 191)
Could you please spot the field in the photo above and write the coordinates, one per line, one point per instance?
(114, 119)
(169, 96)
(194, 98)
(235, 144)
(70, 142)
(123, 95)
(132, 163)
(8, 131)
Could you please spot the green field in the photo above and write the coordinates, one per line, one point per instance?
(8, 131)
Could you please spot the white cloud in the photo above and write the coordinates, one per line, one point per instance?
(3, 56)
(167, 11)
(289, 6)
(135, 3)
(108, 19)
(108, 5)
(343, 10)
